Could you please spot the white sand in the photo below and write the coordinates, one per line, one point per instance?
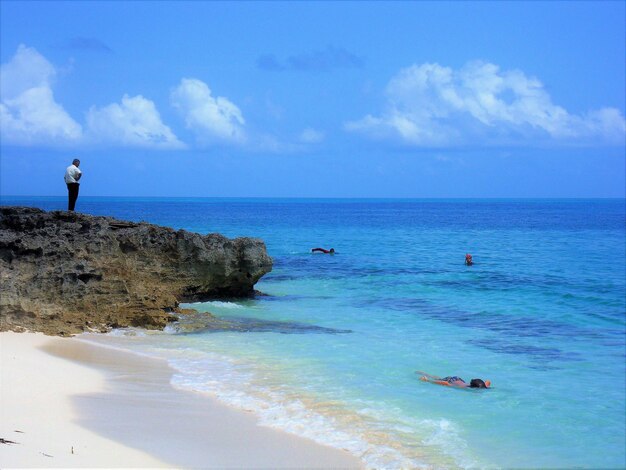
(80, 405)
(36, 410)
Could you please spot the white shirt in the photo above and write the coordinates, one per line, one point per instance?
(71, 173)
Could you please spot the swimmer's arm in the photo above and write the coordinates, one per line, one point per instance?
(428, 376)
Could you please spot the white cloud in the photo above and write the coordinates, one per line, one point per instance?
(311, 136)
(135, 122)
(431, 105)
(29, 114)
(211, 118)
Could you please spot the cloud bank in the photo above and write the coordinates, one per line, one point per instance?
(135, 122)
(210, 118)
(432, 105)
(29, 114)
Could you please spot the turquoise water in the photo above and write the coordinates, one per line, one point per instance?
(333, 349)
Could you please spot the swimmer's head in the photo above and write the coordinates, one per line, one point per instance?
(332, 250)
(478, 383)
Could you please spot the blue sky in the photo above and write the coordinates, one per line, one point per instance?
(346, 99)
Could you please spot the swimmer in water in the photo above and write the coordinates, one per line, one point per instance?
(322, 250)
(468, 260)
(453, 381)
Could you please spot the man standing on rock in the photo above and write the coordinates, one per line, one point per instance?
(72, 175)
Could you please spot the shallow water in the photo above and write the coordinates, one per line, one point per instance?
(331, 352)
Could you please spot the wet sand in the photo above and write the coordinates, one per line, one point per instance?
(81, 405)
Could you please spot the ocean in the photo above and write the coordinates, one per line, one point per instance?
(331, 351)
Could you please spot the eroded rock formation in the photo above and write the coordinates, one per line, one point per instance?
(65, 272)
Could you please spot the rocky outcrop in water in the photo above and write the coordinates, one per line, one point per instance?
(65, 272)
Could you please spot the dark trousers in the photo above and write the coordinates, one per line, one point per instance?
(72, 194)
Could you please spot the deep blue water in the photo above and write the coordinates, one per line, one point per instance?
(332, 352)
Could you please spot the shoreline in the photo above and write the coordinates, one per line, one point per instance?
(117, 409)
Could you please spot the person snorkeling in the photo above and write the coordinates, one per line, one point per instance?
(453, 381)
(468, 260)
(323, 250)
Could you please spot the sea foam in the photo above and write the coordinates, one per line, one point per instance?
(236, 384)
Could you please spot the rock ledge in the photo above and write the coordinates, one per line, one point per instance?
(64, 272)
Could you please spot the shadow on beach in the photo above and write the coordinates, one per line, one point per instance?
(140, 409)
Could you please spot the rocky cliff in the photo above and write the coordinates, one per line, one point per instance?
(66, 272)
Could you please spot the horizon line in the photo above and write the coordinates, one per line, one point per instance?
(331, 198)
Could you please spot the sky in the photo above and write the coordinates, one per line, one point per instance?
(314, 99)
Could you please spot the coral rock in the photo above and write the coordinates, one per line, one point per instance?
(65, 272)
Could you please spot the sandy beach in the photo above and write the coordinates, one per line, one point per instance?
(65, 403)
